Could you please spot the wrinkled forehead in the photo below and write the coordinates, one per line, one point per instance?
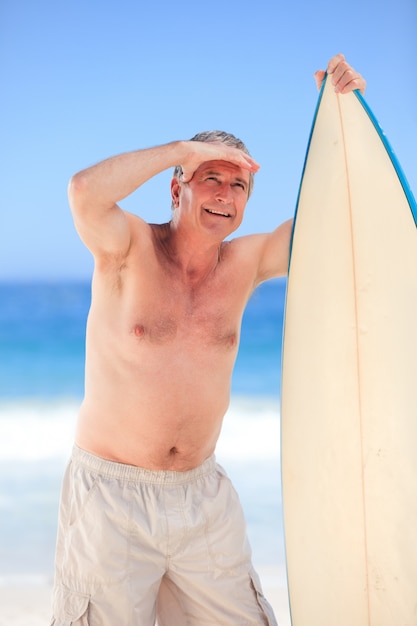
(225, 168)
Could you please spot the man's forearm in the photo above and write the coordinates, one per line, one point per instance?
(109, 181)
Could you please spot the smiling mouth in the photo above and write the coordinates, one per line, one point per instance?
(221, 213)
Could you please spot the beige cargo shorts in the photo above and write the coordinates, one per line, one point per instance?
(138, 547)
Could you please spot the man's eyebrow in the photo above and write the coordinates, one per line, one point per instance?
(217, 173)
(237, 179)
(212, 173)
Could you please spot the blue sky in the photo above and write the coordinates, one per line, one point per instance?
(83, 80)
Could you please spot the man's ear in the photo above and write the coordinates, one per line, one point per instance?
(175, 192)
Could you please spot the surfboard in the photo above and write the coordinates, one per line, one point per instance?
(349, 379)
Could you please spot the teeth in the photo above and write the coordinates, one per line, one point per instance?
(217, 212)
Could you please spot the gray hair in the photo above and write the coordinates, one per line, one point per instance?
(227, 138)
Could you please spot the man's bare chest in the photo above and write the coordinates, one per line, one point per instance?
(171, 311)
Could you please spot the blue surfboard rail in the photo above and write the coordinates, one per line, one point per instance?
(304, 166)
(394, 160)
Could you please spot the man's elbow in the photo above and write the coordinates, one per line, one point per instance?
(78, 192)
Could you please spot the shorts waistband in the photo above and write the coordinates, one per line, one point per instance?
(132, 473)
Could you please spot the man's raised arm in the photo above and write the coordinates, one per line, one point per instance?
(95, 191)
(94, 194)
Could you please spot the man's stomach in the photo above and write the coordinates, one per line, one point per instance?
(164, 435)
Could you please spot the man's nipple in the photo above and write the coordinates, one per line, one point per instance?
(139, 330)
(233, 340)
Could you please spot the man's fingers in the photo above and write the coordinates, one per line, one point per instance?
(319, 77)
(344, 77)
(334, 62)
(251, 164)
(349, 84)
(221, 152)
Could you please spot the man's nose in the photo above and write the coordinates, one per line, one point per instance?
(224, 193)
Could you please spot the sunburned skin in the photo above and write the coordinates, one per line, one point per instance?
(167, 300)
(160, 356)
(167, 303)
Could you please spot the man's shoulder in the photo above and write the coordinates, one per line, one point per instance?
(245, 250)
(144, 234)
(246, 243)
(141, 242)
(137, 222)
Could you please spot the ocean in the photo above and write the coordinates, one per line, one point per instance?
(42, 332)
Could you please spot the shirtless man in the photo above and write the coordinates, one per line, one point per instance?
(149, 523)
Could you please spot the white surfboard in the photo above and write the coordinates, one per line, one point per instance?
(349, 387)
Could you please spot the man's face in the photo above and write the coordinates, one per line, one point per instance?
(215, 197)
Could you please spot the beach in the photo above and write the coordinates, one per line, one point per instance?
(25, 605)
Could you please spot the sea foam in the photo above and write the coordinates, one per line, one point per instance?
(42, 430)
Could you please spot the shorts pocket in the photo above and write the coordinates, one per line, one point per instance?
(83, 487)
(225, 530)
(263, 603)
(70, 608)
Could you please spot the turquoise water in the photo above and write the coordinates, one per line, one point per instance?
(42, 331)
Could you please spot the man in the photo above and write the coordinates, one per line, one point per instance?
(149, 524)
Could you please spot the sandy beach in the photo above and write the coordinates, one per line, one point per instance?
(29, 605)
